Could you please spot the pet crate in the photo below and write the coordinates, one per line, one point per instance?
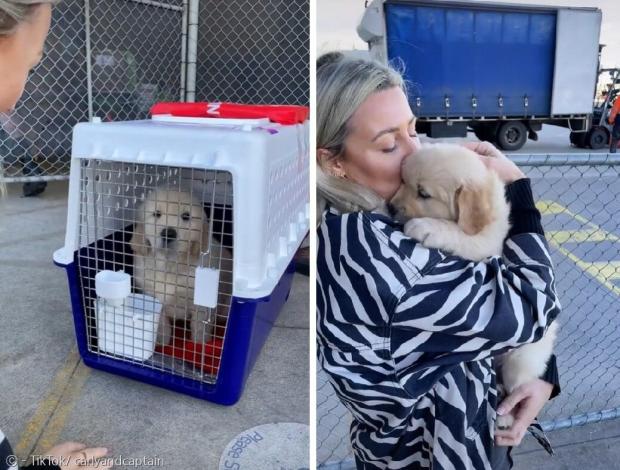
(179, 247)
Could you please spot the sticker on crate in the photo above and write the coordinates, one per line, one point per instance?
(180, 240)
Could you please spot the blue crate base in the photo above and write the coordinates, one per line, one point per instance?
(249, 324)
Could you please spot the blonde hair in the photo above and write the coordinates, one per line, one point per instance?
(15, 12)
(343, 84)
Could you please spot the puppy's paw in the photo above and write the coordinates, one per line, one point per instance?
(501, 391)
(504, 422)
(427, 231)
(419, 229)
(202, 330)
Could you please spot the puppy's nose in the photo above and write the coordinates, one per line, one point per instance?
(391, 209)
(168, 234)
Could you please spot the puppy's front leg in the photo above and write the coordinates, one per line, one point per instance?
(202, 331)
(434, 233)
(448, 236)
(164, 332)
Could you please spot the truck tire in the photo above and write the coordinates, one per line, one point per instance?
(597, 138)
(578, 139)
(512, 135)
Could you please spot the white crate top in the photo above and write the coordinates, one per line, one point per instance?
(188, 142)
(269, 167)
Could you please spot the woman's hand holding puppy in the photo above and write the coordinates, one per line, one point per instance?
(496, 161)
(525, 403)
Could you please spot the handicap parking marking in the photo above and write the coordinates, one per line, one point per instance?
(604, 272)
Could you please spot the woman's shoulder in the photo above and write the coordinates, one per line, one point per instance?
(376, 237)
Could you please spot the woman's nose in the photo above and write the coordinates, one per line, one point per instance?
(412, 144)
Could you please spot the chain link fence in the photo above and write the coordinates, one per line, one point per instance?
(36, 138)
(254, 51)
(579, 198)
(106, 58)
(114, 58)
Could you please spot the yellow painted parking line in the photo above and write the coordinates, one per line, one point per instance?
(62, 393)
(51, 433)
(610, 270)
(591, 269)
(579, 236)
(551, 207)
(603, 272)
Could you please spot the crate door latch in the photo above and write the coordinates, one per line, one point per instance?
(207, 280)
(206, 286)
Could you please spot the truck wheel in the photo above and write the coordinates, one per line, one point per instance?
(597, 138)
(578, 139)
(512, 135)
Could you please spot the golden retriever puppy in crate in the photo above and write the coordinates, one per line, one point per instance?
(171, 236)
(451, 201)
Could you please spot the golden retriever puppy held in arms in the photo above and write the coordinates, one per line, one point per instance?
(170, 234)
(451, 201)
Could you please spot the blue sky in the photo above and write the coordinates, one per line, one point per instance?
(337, 20)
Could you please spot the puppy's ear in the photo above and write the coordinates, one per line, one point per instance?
(138, 242)
(474, 208)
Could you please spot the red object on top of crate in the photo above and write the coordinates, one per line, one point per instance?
(280, 114)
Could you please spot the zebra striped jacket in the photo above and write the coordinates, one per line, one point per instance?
(407, 334)
(6, 454)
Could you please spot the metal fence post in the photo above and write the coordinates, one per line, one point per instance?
(89, 56)
(184, 50)
(192, 49)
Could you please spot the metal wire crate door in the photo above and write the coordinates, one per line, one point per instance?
(158, 224)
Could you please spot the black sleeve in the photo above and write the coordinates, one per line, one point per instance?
(551, 376)
(524, 217)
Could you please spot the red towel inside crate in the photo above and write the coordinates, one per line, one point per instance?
(189, 351)
(280, 114)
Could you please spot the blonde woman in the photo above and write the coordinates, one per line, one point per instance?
(24, 25)
(407, 335)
